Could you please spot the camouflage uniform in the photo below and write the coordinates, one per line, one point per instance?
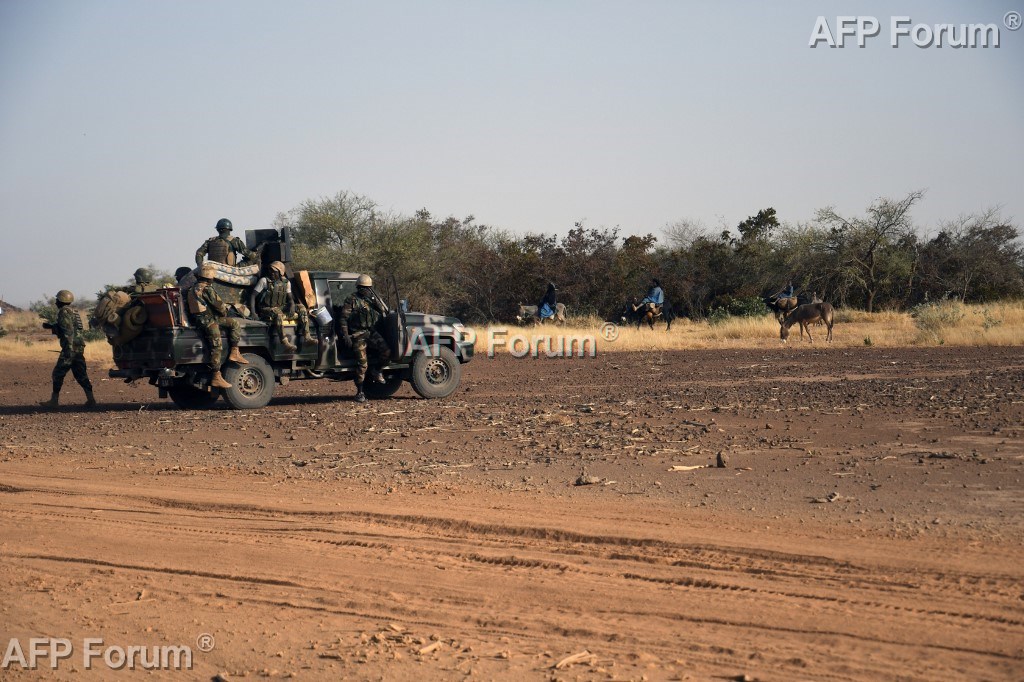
(68, 328)
(358, 319)
(224, 249)
(209, 313)
(272, 298)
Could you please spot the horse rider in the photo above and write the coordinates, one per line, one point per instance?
(654, 299)
(548, 304)
(786, 292)
(224, 248)
(273, 301)
(209, 313)
(357, 326)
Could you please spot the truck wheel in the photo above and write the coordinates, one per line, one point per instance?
(252, 385)
(436, 376)
(191, 398)
(392, 382)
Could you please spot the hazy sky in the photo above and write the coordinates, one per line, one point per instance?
(128, 127)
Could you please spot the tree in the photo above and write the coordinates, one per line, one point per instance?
(864, 246)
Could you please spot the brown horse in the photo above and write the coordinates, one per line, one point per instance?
(805, 316)
(782, 306)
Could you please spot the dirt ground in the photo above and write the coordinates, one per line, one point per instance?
(867, 525)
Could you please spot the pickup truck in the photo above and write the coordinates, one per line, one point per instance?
(428, 351)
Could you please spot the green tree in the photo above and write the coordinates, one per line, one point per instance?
(865, 245)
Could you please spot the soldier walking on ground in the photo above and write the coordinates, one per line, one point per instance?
(224, 248)
(68, 328)
(357, 323)
(272, 299)
(209, 313)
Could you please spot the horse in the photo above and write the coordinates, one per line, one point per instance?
(805, 316)
(634, 312)
(532, 313)
(782, 306)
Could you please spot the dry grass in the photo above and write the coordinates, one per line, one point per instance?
(15, 349)
(996, 324)
(25, 339)
(999, 324)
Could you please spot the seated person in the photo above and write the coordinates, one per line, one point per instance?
(272, 299)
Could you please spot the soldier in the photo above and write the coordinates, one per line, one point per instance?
(68, 328)
(181, 273)
(143, 283)
(549, 303)
(357, 323)
(224, 248)
(272, 299)
(209, 313)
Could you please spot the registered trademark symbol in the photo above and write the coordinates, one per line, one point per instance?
(609, 331)
(205, 642)
(1011, 20)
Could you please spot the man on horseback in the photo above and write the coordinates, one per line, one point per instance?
(549, 303)
(653, 301)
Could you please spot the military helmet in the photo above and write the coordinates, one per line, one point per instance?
(143, 276)
(223, 224)
(364, 281)
(65, 296)
(208, 271)
(278, 267)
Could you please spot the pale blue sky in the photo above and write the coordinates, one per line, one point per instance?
(127, 128)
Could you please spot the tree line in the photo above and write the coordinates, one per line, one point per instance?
(877, 260)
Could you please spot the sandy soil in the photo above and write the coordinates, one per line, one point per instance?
(867, 525)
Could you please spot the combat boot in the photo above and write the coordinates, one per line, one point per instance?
(235, 356)
(90, 400)
(52, 402)
(218, 381)
(378, 377)
(288, 345)
(360, 396)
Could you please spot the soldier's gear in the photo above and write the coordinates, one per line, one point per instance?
(90, 400)
(225, 249)
(52, 403)
(208, 271)
(378, 377)
(181, 272)
(65, 296)
(235, 356)
(196, 304)
(219, 250)
(364, 281)
(217, 380)
(224, 224)
(360, 396)
(278, 267)
(288, 345)
(143, 276)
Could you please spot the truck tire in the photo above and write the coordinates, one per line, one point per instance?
(392, 382)
(252, 385)
(436, 376)
(191, 398)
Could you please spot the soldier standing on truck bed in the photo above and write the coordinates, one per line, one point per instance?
(224, 248)
(272, 299)
(357, 323)
(68, 328)
(209, 313)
